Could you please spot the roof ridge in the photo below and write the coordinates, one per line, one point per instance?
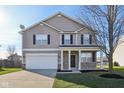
(49, 17)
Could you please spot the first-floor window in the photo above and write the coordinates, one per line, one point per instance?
(86, 57)
(41, 39)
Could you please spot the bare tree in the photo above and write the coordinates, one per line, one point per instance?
(108, 24)
(11, 50)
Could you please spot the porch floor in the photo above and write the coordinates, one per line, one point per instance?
(80, 71)
(68, 72)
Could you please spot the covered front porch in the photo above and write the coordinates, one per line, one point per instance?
(78, 59)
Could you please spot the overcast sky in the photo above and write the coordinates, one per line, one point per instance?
(12, 16)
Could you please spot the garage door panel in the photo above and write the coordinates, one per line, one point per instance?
(41, 61)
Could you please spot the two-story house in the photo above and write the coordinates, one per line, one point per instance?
(59, 42)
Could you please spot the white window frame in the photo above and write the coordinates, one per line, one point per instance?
(67, 39)
(86, 57)
(41, 39)
(86, 39)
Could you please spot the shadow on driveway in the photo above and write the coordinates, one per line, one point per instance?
(45, 72)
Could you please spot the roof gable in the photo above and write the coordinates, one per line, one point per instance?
(64, 15)
(63, 23)
(50, 25)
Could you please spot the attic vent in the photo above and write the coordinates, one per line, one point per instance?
(41, 24)
(59, 15)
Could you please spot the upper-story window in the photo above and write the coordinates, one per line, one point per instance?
(86, 39)
(41, 39)
(67, 39)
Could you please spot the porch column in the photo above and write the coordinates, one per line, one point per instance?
(22, 58)
(61, 59)
(79, 60)
(69, 60)
(101, 60)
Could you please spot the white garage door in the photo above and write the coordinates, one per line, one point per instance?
(41, 61)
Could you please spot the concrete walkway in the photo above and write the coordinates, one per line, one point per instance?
(28, 79)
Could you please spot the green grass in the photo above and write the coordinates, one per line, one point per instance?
(9, 70)
(89, 79)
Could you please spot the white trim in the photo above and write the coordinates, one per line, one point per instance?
(64, 48)
(79, 67)
(51, 26)
(22, 48)
(52, 49)
(21, 32)
(79, 29)
(41, 54)
(69, 59)
(22, 59)
(81, 48)
(101, 59)
(68, 32)
(61, 59)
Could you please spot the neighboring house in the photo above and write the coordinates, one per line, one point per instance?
(59, 42)
(14, 60)
(118, 55)
(15, 57)
(105, 61)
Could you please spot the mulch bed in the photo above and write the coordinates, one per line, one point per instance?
(64, 70)
(114, 76)
(93, 71)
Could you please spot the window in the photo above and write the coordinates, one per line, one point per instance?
(86, 57)
(86, 39)
(41, 39)
(67, 39)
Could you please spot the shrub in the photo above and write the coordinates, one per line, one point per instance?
(116, 63)
(0, 66)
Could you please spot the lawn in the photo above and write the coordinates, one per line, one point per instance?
(9, 70)
(89, 80)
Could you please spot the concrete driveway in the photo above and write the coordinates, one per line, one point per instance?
(28, 79)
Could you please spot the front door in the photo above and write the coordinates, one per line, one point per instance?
(73, 61)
